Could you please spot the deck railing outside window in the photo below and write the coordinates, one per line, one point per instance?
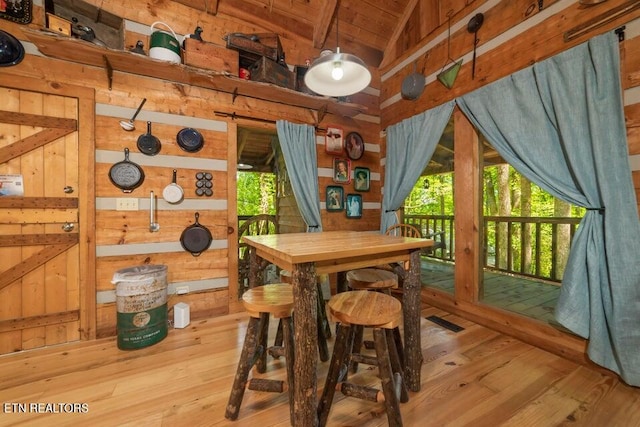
(527, 246)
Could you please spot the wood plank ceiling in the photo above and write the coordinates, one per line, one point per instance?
(366, 27)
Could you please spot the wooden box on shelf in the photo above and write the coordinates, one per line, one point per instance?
(58, 24)
(268, 71)
(254, 46)
(210, 56)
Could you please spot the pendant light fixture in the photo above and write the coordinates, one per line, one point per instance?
(337, 74)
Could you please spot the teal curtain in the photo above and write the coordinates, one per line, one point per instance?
(410, 145)
(298, 143)
(561, 124)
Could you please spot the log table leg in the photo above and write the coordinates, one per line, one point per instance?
(411, 310)
(305, 335)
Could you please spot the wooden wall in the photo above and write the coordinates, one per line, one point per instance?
(122, 238)
(514, 35)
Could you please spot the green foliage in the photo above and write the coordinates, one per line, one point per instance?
(256, 193)
(432, 195)
(436, 198)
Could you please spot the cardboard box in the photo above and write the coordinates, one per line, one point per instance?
(268, 71)
(210, 56)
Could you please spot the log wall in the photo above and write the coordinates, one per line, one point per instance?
(123, 238)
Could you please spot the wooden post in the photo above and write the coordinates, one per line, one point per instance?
(468, 211)
(411, 306)
(305, 304)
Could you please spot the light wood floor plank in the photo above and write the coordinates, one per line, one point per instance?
(475, 377)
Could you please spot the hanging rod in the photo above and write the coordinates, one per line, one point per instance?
(234, 116)
(601, 20)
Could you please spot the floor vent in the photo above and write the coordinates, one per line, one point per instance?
(445, 323)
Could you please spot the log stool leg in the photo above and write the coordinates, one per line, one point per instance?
(387, 377)
(322, 313)
(263, 334)
(245, 364)
(337, 369)
(396, 364)
(356, 345)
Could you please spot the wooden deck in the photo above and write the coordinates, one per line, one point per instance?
(475, 377)
(529, 297)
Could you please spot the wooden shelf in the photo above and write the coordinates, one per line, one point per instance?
(76, 50)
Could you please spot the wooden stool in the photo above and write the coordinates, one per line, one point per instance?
(373, 279)
(383, 313)
(277, 300)
(324, 329)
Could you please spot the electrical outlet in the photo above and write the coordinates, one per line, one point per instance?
(181, 290)
(127, 204)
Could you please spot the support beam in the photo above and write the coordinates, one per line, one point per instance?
(321, 28)
(387, 56)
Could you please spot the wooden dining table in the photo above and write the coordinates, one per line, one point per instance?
(309, 254)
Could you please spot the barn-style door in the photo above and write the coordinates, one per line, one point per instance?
(43, 283)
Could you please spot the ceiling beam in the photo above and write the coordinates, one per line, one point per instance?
(321, 28)
(391, 44)
(208, 6)
(250, 13)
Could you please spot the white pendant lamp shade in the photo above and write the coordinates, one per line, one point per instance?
(337, 74)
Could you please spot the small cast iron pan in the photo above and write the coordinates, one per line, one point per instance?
(190, 140)
(149, 144)
(126, 175)
(11, 50)
(196, 238)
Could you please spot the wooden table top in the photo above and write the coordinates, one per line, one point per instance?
(295, 248)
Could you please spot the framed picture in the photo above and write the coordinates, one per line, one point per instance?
(354, 206)
(335, 198)
(334, 141)
(361, 179)
(16, 10)
(341, 170)
(354, 145)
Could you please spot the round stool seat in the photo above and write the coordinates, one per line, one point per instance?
(372, 278)
(275, 298)
(366, 308)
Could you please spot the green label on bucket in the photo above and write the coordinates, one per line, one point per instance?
(142, 329)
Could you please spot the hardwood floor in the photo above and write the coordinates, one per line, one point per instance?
(473, 377)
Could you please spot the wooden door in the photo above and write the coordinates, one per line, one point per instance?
(47, 294)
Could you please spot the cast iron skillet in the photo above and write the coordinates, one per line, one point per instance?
(11, 50)
(190, 140)
(196, 238)
(126, 175)
(149, 144)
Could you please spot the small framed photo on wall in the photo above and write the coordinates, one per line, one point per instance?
(335, 198)
(354, 206)
(341, 170)
(334, 140)
(361, 179)
(354, 145)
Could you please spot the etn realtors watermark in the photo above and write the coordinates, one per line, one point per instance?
(44, 408)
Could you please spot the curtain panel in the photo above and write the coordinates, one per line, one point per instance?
(410, 145)
(298, 143)
(560, 123)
